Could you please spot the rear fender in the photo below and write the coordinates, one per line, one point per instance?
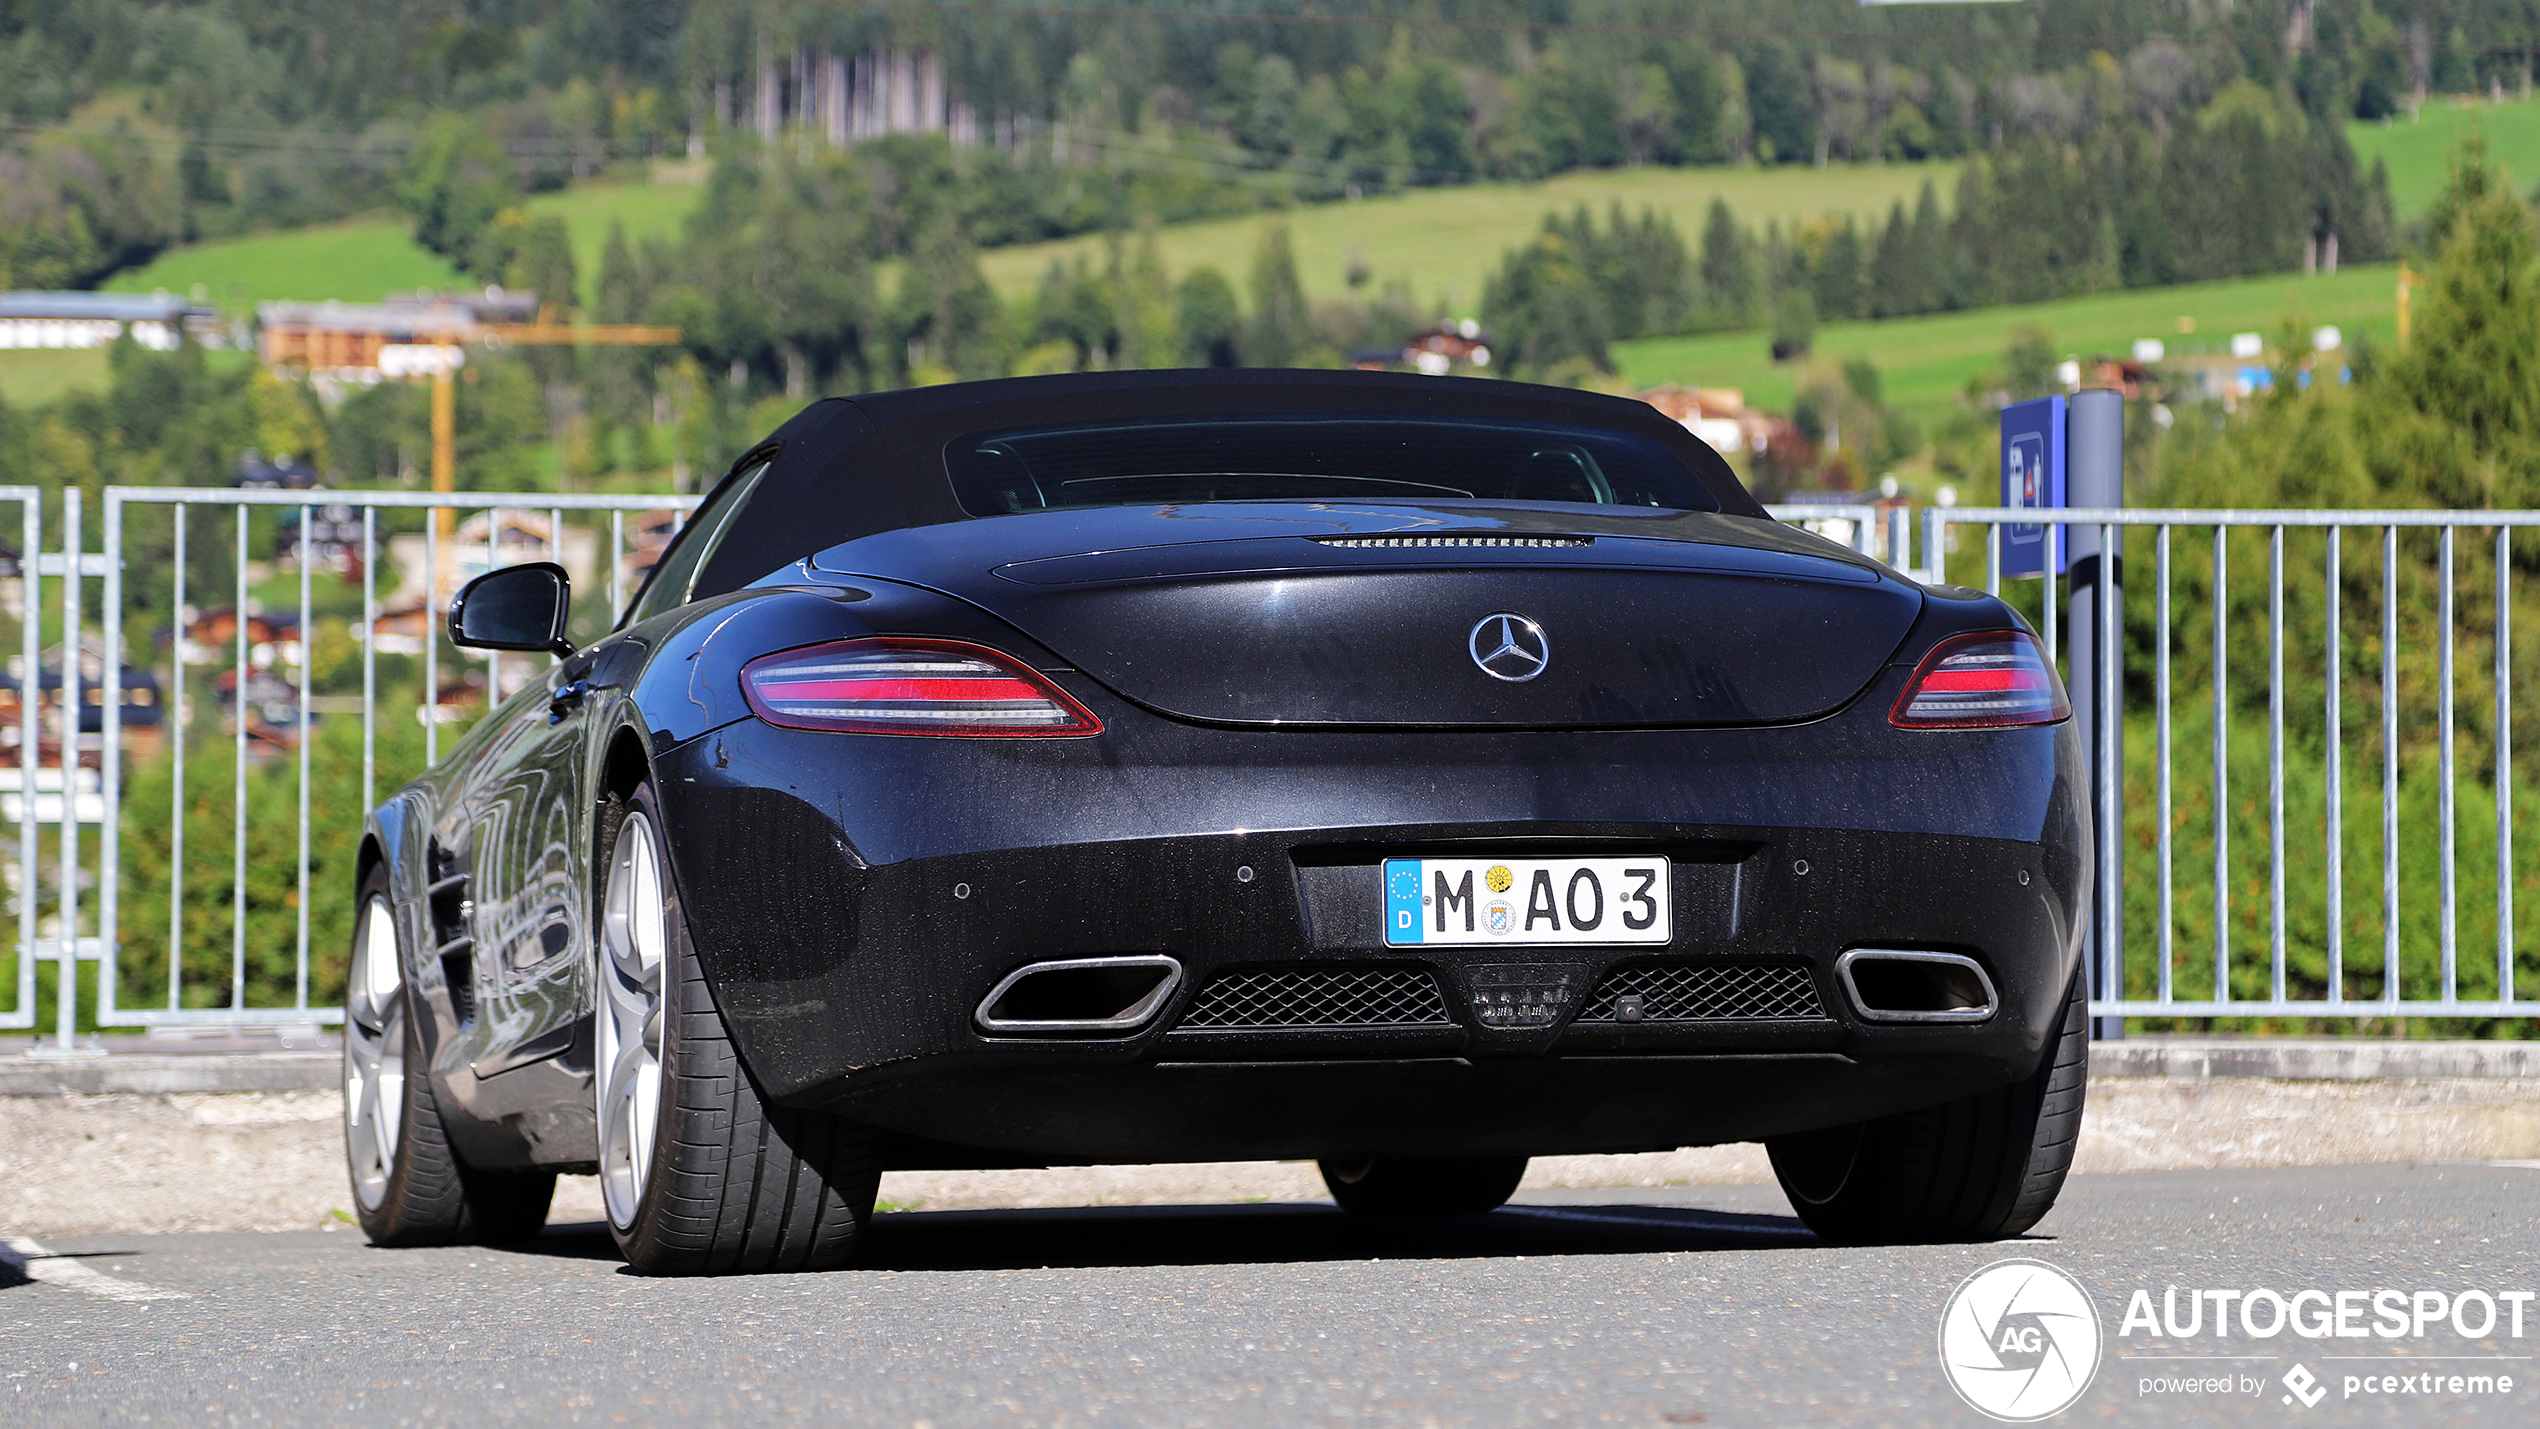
(400, 829)
(693, 683)
(1953, 610)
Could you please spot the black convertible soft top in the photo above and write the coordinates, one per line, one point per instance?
(848, 467)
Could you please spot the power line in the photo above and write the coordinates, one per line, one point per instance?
(1216, 158)
(349, 149)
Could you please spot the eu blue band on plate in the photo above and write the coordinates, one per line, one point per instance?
(1402, 900)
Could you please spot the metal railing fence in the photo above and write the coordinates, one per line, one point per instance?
(1855, 524)
(2170, 658)
(2140, 960)
(25, 874)
(442, 551)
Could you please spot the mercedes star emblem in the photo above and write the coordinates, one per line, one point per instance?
(1509, 647)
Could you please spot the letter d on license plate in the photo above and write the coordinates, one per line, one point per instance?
(1525, 901)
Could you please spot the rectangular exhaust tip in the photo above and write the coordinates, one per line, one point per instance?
(1080, 995)
(1898, 985)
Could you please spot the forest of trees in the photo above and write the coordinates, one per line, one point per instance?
(2107, 145)
(127, 125)
(2247, 185)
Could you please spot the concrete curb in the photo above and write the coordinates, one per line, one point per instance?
(150, 1074)
(2321, 1059)
(2288, 1060)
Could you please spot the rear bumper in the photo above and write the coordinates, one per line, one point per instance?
(1170, 1110)
(854, 897)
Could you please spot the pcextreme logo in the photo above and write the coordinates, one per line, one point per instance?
(2020, 1340)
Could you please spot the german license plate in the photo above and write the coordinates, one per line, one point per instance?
(1521, 902)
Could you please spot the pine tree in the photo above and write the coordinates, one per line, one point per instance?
(1211, 324)
(1932, 254)
(1546, 315)
(618, 374)
(2470, 178)
(1838, 278)
(948, 320)
(1278, 332)
(1147, 333)
(2473, 356)
(1892, 268)
(1728, 268)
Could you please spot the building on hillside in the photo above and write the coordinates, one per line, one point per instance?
(402, 628)
(31, 319)
(1448, 347)
(272, 710)
(342, 340)
(1844, 529)
(143, 702)
(1717, 415)
(257, 474)
(211, 637)
(335, 539)
(648, 534)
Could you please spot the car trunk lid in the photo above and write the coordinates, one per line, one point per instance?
(1538, 623)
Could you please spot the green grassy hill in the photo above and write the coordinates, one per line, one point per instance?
(30, 378)
(649, 210)
(1926, 362)
(354, 261)
(2419, 150)
(358, 260)
(1442, 242)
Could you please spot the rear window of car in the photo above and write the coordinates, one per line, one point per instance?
(1172, 463)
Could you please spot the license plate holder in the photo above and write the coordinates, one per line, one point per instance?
(1527, 902)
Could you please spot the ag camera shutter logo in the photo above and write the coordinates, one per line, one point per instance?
(2020, 1341)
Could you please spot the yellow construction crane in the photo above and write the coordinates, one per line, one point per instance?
(444, 360)
(543, 333)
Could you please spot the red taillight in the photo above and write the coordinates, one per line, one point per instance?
(888, 686)
(1982, 681)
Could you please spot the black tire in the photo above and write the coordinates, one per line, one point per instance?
(1979, 1168)
(736, 1184)
(430, 1197)
(1424, 1186)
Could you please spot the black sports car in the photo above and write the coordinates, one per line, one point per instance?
(1413, 774)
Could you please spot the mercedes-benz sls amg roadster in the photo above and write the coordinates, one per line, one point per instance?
(1411, 774)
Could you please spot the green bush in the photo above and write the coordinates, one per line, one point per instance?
(270, 894)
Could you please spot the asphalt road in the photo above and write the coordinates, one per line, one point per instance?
(1703, 1305)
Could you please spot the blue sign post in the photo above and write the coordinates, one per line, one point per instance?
(2058, 453)
(2033, 476)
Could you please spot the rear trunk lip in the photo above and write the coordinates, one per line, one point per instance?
(1714, 558)
(1080, 532)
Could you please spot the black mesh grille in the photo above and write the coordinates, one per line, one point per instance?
(1321, 997)
(1706, 992)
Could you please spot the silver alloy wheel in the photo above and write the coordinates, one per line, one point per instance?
(374, 1052)
(634, 939)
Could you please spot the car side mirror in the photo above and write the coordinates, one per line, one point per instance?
(516, 608)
